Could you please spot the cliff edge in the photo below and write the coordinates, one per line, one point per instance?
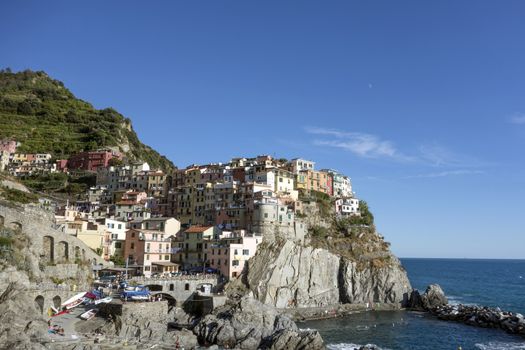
(336, 261)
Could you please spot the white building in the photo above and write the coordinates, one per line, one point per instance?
(296, 165)
(347, 206)
(117, 236)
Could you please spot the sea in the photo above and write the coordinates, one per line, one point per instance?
(498, 283)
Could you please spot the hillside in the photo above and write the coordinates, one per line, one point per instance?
(46, 117)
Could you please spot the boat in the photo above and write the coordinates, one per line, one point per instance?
(88, 315)
(60, 313)
(74, 301)
(136, 293)
(103, 301)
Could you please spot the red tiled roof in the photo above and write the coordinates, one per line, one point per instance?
(197, 229)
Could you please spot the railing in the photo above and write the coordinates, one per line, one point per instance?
(145, 280)
(149, 251)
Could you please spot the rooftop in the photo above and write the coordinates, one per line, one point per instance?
(197, 229)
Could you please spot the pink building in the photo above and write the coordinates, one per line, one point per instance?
(229, 255)
(61, 165)
(8, 146)
(149, 252)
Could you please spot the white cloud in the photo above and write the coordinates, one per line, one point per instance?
(361, 144)
(518, 118)
(446, 173)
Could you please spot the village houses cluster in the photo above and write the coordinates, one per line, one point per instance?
(201, 218)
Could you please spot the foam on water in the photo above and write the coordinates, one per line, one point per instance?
(501, 346)
(349, 346)
(307, 329)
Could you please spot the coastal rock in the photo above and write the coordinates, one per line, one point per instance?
(433, 297)
(386, 284)
(248, 324)
(21, 327)
(288, 274)
(482, 316)
(287, 339)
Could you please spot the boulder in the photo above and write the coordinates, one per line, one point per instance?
(287, 339)
(249, 324)
(433, 297)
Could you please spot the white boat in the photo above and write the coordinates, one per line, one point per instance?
(74, 301)
(88, 315)
(105, 300)
(139, 297)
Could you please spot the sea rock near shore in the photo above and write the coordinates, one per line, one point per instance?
(386, 284)
(288, 274)
(432, 297)
(249, 324)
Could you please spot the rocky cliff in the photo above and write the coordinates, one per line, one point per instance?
(38, 267)
(335, 263)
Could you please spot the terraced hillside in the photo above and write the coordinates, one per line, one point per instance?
(46, 117)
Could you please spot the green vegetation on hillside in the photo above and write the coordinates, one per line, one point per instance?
(17, 196)
(46, 117)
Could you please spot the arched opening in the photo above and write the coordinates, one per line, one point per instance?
(49, 248)
(62, 251)
(16, 225)
(171, 300)
(39, 303)
(57, 301)
(155, 287)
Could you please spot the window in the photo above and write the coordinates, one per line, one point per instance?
(119, 226)
(235, 262)
(118, 245)
(146, 268)
(187, 286)
(132, 245)
(166, 257)
(132, 234)
(235, 252)
(266, 215)
(172, 287)
(245, 252)
(147, 256)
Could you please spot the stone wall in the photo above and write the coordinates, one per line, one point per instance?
(51, 245)
(181, 289)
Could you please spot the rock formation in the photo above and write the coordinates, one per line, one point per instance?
(249, 324)
(288, 273)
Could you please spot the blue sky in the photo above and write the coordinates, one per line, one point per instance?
(421, 103)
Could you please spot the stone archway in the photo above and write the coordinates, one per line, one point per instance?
(16, 225)
(39, 303)
(171, 300)
(57, 302)
(62, 253)
(49, 248)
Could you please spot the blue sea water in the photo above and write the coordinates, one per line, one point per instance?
(467, 281)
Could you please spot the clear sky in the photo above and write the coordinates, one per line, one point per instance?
(421, 103)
